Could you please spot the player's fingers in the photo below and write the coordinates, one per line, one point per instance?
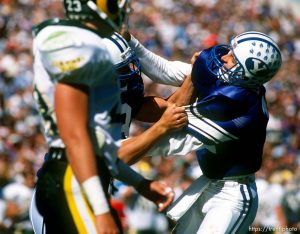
(179, 116)
(162, 188)
(182, 120)
(167, 190)
(180, 125)
(178, 109)
(163, 205)
(159, 187)
(195, 56)
(182, 116)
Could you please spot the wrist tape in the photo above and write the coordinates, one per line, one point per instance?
(93, 191)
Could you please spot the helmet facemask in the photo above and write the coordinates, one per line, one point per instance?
(129, 67)
(229, 75)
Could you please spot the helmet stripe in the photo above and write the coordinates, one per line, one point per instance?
(121, 39)
(116, 43)
(254, 32)
(256, 35)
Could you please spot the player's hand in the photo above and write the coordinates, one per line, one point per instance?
(125, 33)
(158, 192)
(194, 57)
(105, 224)
(173, 118)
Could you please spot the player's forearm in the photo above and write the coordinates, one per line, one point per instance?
(132, 149)
(152, 109)
(159, 69)
(71, 108)
(81, 157)
(127, 175)
(185, 94)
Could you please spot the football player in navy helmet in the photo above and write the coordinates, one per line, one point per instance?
(78, 95)
(224, 97)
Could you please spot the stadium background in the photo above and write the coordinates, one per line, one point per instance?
(174, 29)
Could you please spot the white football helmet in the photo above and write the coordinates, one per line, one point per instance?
(123, 57)
(257, 56)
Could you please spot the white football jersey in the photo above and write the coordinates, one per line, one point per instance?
(176, 143)
(66, 51)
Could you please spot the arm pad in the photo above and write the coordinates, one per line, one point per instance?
(128, 175)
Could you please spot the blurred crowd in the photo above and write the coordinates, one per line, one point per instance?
(175, 29)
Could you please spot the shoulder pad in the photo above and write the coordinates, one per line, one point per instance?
(68, 57)
(59, 40)
(52, 40)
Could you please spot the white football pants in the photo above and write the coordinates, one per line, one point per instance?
(225, 206)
